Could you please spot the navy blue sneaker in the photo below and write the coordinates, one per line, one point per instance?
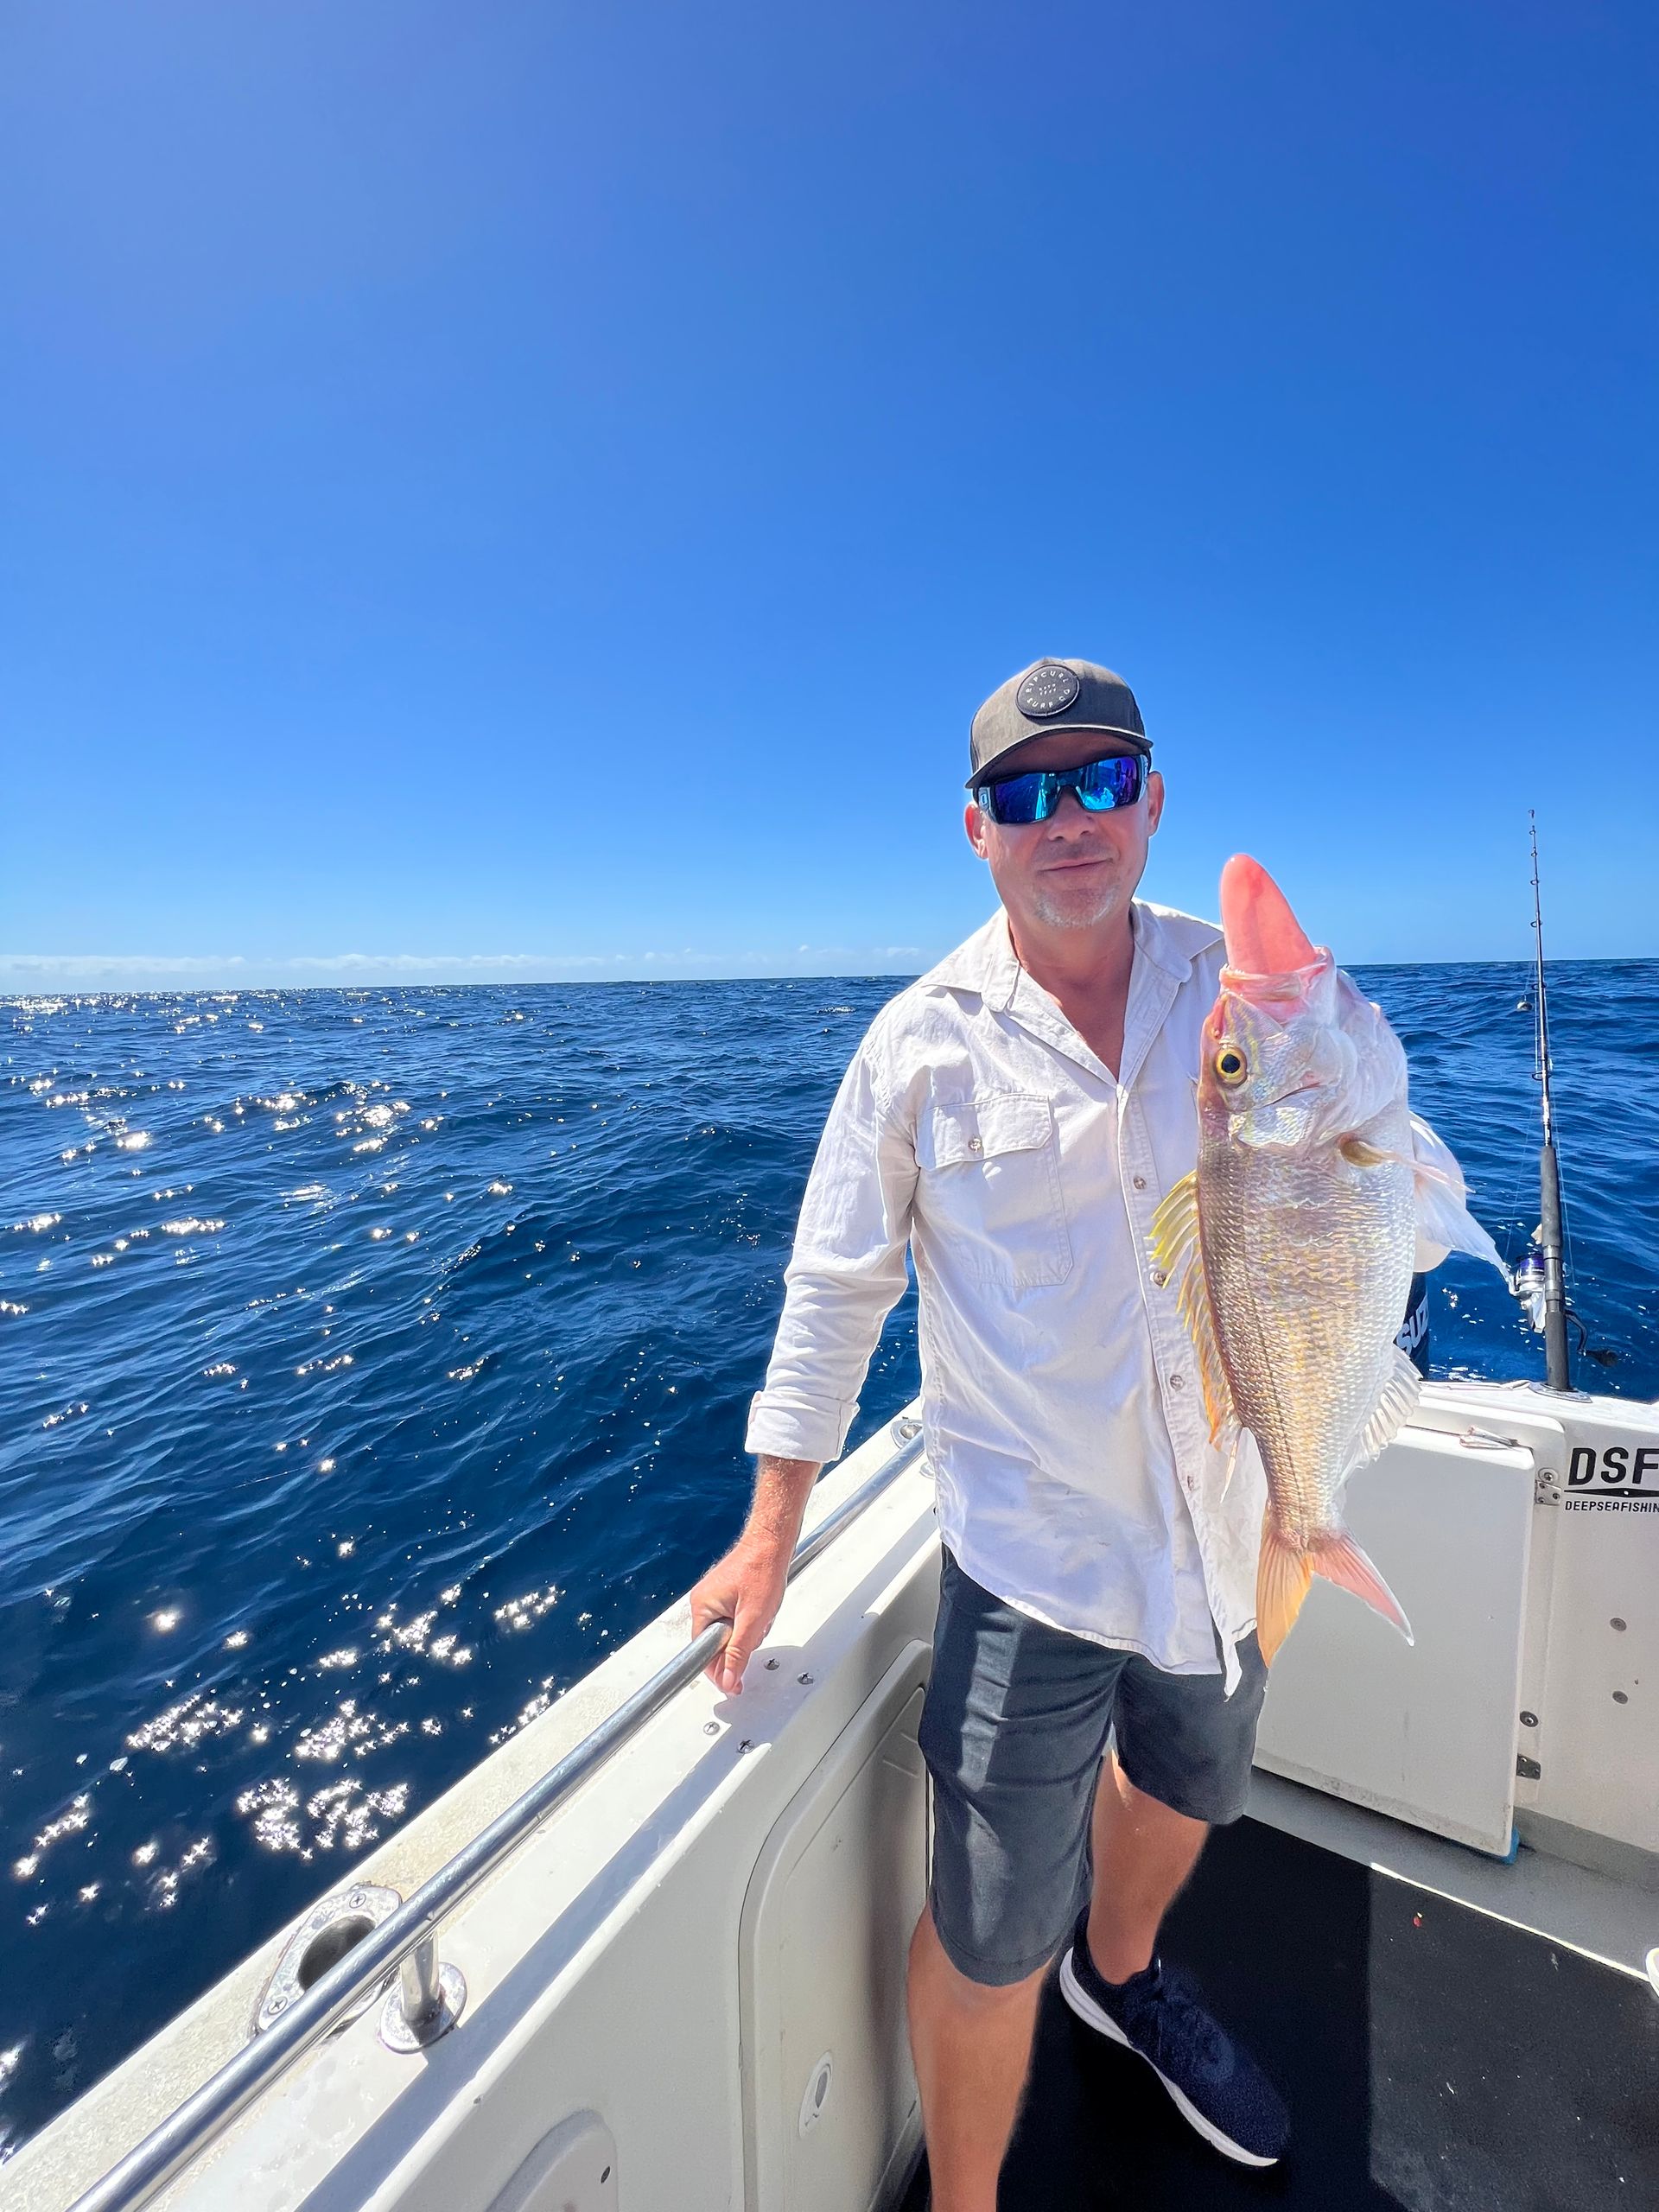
(1219, 2088)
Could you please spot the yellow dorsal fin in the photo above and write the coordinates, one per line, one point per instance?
(1177, 1252)
(1175, 1224)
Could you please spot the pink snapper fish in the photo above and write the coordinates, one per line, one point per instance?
(1293, 1241)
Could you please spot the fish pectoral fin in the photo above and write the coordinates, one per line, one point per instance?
(1282, 1577)
(1177, 1252)
(1395, 1404)
(1339, 1560)
(1359, 1151)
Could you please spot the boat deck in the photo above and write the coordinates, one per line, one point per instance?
(1436, 2059)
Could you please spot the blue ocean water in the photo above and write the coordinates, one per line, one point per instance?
(371, 1363)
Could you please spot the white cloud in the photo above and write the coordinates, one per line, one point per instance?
(30, 974)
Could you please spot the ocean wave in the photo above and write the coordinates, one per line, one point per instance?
(292, 1533)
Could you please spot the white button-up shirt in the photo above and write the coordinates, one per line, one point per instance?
(1061, 1405)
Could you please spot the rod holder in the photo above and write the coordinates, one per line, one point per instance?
(1558, 1363)
(425, 2003)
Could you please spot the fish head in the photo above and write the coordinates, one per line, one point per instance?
(1292, 1053)
(1269, 1072)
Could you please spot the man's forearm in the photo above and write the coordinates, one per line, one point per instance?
(781, 1490)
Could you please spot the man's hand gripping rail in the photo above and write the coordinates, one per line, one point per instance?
(746, 1586)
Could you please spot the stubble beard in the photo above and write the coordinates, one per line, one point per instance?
(1058, 909)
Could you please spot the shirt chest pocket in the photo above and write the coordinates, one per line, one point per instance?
(990, 1188)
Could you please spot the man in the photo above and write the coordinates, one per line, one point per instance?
(1014, 1118)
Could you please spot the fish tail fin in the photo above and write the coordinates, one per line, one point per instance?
(1282, 1583)
(1340, 1559)
(1285, 1574)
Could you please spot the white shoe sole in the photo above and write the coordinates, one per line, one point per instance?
(1086, 2009)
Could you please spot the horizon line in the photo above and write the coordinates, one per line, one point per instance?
(15, 967)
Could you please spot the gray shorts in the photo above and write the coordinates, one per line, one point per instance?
(1014, 1730)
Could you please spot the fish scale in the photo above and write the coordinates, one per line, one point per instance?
(1307, 1364)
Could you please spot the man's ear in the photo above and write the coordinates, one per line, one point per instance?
(1154, 802)
(974, 823)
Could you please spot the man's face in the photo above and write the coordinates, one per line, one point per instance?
(1077, 869)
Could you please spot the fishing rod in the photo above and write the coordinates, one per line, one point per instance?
(1547, 1298)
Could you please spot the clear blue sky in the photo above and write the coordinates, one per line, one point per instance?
(553, 481)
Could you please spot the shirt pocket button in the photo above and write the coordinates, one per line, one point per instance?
(1140, 1182)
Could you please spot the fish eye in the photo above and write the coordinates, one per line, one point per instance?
(1230, 1064)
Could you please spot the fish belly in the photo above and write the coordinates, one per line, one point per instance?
(1308, 1262)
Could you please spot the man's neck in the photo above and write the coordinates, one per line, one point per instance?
(1086, 973)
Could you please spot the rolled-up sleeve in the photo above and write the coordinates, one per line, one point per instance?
(846, 1276)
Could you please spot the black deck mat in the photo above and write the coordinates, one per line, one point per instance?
(1434, 2059)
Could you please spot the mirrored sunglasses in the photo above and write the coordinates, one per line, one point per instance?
(1118, 780)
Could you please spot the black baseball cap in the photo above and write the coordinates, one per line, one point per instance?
(1048, 696)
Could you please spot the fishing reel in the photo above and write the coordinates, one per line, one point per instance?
(1527, 1284)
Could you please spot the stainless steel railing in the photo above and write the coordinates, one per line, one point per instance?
(426, 1999)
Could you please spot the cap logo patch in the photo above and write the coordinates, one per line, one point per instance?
(1047, 691)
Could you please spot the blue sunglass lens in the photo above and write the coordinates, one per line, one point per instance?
(1102, 785)
(1117, 782)
(1015, 798)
